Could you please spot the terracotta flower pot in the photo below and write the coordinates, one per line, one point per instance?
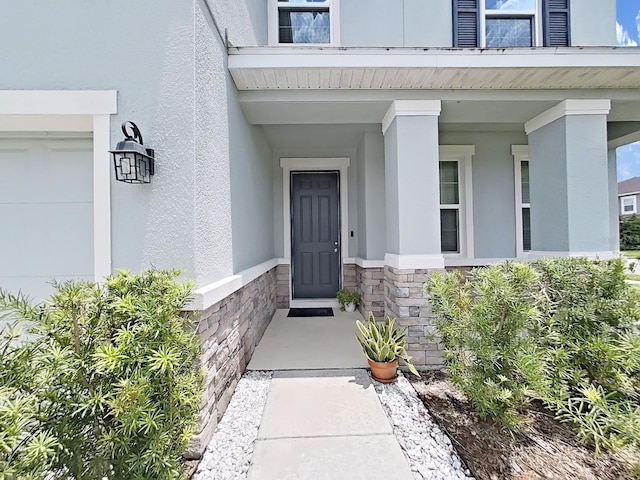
(384, 372)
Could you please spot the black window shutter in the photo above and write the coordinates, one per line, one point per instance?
(556, 23)
(466, 23)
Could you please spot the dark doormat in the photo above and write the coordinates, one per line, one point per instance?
(310, 312)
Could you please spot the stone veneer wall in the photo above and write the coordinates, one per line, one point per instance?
(230, 331)
(405, 299)
(370, 286)
(282, 288)
(349, 276)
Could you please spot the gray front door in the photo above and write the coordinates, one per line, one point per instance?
(315, 234)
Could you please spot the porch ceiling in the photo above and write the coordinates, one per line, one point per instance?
(319, 68)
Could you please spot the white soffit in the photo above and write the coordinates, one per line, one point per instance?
(282, 68)
(566, 108)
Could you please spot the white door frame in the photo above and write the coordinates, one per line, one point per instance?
(340, 164)
(72, 111)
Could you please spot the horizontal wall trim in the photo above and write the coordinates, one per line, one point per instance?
(208, 295)
(405, 262)
(315, 163)
(605, 255)
(567, 108)
(58, 102)
(480, 262)
(520, 150)
(364, 263)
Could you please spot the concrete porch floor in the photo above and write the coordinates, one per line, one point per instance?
(309, 343)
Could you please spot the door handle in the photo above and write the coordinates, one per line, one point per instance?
(335, 243)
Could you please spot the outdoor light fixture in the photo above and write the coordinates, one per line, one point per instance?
(133, 162)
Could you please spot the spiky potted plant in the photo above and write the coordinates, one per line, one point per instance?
(383, 344)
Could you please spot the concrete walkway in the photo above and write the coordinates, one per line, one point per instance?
(309, 343)
(325, 425)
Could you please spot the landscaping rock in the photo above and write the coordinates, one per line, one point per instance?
(228, 455)
(429, 451)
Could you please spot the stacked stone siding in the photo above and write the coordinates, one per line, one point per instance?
(230, 331)
(405, 299)
(282, 288)
(370, 285)
(349, 277)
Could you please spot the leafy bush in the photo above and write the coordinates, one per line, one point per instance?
(560, 330)
(592, 352)
(109, 385)
(484, 324)
(630, 233)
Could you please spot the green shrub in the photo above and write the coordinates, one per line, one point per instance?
(630, 233)
(484, 322)
(592, 351)
(110, 382)
(560, 330)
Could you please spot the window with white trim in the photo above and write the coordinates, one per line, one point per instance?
(456, 212)
(449, 207)
(628, 205)
(523, 202)
(510, 23)
(306, 22)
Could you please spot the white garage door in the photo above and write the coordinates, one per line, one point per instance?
(46, 213)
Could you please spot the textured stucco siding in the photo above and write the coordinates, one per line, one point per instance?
(251, 189)
(93, 45)
(593, 23)
(396, 23)
(172, 80)
(493, 189)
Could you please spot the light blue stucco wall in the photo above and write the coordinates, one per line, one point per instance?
(428, 23)
(614, 226)
(548, 188)
(593, 23)
(251, 190)
(411, 186)
(380, 24)
(303, 141)
(95, 46)
(371, 197)
(360, 159)
(171, 80)
(396, 23)
(421, 23)
(493, 189)
(570, 176)
(374, 180)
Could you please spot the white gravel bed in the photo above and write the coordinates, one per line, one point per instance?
(229, 453)
(428, 450)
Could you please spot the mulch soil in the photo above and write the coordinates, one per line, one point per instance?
(543, 449)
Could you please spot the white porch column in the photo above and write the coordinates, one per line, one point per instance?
(410, 130)
(569, 180)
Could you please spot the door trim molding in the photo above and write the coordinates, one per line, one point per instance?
(77, 111)
(316, 164)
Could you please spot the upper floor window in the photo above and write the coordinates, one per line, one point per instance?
(628, 205)
(309, 22)
(510, 23)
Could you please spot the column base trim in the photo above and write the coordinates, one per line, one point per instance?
(418, 262)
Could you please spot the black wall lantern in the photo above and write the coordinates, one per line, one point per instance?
(133, 162)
